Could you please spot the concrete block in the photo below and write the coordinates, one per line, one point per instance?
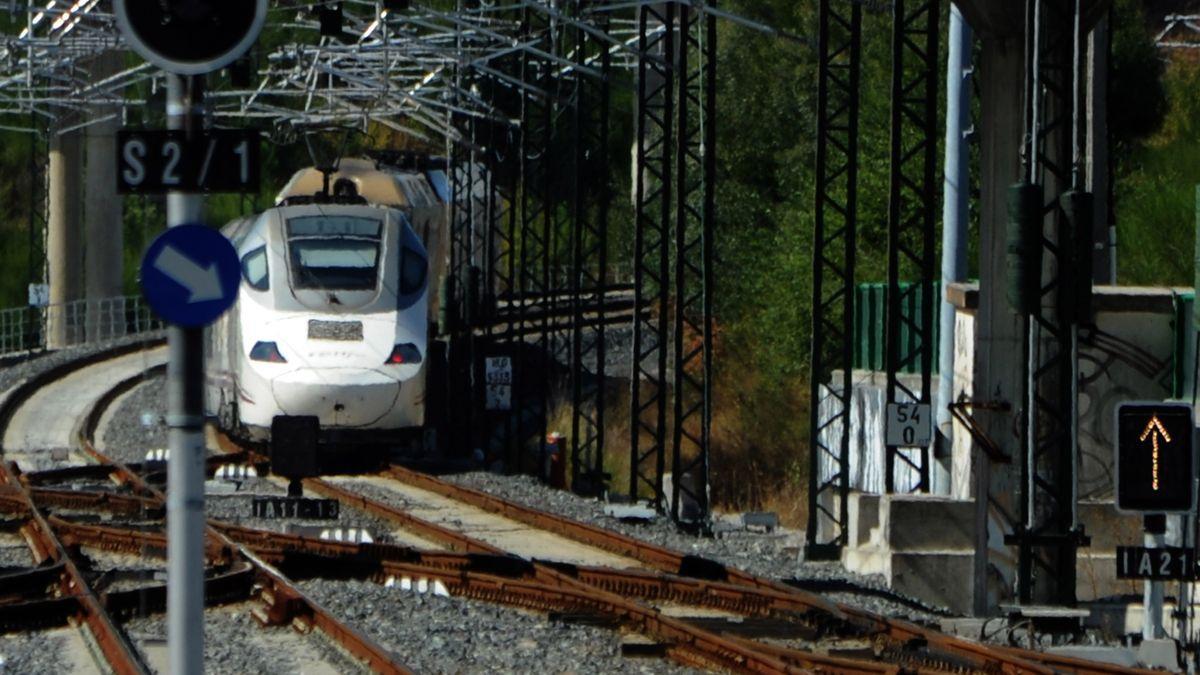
(1159, 654)
(866, 560)
(864, 519)
(1127, 618)
(1117, 656)
(940, 578)
(927, 523)
(970, 627)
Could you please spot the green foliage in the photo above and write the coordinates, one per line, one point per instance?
(1138, 99)
(16, 189)
(1155, 191)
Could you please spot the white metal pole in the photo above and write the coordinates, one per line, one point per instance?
(185, 416)
(1152, 594)
(955, 194)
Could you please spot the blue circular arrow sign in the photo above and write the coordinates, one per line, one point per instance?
(190, 275)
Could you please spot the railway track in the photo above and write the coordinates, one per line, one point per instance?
(695, 611)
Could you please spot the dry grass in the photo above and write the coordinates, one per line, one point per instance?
(759, 446)
(759, 458)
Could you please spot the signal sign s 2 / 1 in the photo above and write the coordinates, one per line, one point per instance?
(156, 161)
(908, 425)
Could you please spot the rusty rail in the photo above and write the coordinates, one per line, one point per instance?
(700, 645)
(574, 587)
(661, 558)
(111, 640)
(113, 644)
(900, 638)
(298, 604)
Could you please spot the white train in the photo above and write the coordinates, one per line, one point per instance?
(333, 315)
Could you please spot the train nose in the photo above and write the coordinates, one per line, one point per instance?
(339, 397)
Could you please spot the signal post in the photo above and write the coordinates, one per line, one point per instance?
(1155, 476)
(190, 274)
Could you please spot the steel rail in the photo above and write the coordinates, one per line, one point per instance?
(895, 636)
(118, 652)
(393, 559)
(109, 639)
(279, 592)
(704, 644)
(689, 566)
(495, 578)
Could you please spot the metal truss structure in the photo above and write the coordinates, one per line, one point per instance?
(394, 68)
(839, 41)
(652, 196)
(531, 365)
(459, 302)
(589, 262)
(912, 219)
(1180, 31)
(675, 166)
(1049, 532)
(695, 174)
(519, 93)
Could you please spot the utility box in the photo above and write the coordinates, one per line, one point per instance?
(294, 445)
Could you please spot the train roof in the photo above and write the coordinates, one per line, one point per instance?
(380, 186)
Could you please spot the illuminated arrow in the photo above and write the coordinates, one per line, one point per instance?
(203, 283)
(1153, 429)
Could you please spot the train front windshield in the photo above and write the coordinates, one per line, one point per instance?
(332, 252)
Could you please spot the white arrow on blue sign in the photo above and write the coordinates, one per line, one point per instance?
(190, 275)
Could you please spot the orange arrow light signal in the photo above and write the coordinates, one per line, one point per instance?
(1153, 429)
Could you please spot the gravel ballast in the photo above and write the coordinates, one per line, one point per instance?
(235, 644)
(772, 555)
(40, 652)
(438, 634)
(775, 556)
(20, 370)
(138, 424)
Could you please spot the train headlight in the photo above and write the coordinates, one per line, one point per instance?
(404, 353)
(266, 351)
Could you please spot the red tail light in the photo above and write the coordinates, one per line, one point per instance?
(404, 353)
(266, 351)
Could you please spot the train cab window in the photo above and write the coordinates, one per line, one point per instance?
(254, 269)
(334, 252)
(413, 270)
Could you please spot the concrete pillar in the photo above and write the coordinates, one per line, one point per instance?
(102, 215)
(1000, 334)
(64, 246)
